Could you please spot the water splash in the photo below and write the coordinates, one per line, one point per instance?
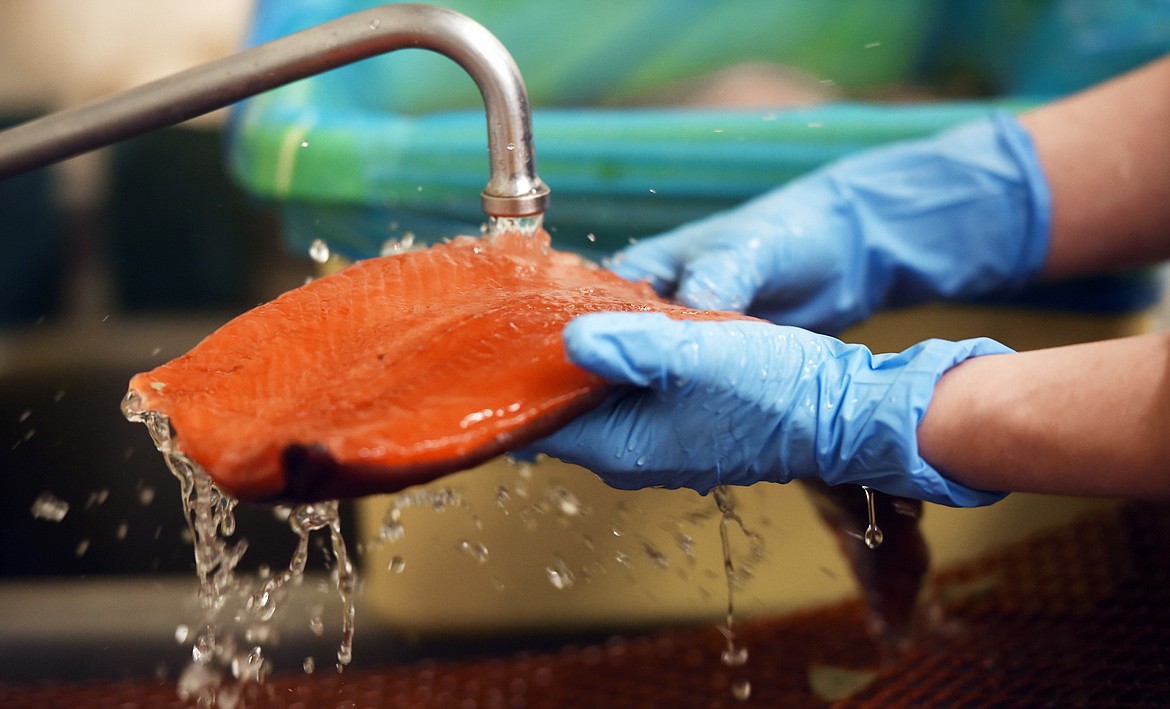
(231, 602)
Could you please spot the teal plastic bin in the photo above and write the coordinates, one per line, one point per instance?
(397, 144)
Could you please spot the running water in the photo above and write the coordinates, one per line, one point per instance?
(525, 225)
(231, 602)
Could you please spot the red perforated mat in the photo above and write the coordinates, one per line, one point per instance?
(1079, 617)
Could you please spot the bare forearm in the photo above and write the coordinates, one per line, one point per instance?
(1091, 419)
(1106, 154)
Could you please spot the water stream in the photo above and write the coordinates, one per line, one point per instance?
(734, 655)
(228, 663)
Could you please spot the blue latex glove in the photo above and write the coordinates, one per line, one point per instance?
(962, 214)
(711, 403)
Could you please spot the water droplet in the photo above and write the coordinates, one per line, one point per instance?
(24, 415)
(97, 498)
(559, 574)
(655, 555)
(317, 625)
(397, 246)
(873, 535)
(181, 633)
(591, 237)
(204, 648)
(741, 689)
(524, 470)
(510, 146)
(249, 667)
(734, 657)
(82, 548)
(319, 251)
(49, 507)
(146, 496)
(392, 528)
(564, 501)
(304, 143)
(623, 559)
(309, 665)
(475, 550)
(397, 565)
(375, 23)
(871, 45)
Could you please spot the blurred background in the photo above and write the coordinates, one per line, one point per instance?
(116, 261)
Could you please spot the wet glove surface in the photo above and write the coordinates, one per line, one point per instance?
(702, 404)
(962, 214)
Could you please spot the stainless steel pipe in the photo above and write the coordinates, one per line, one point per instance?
(513, 190)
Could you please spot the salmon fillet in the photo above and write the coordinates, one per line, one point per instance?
(392, 372)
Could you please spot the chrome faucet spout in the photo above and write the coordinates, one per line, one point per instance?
(514, 189)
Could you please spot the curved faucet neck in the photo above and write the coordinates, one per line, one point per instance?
(513, 189)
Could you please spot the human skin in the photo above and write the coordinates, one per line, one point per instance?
(1087, 419)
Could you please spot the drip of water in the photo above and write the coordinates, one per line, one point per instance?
(210, 516)
(733, 655)
(873, 534)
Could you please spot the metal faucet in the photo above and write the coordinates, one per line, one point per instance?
(513, 189)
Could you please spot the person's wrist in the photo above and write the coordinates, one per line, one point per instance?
(873, 439)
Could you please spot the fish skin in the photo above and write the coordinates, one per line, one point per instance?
(394, 371)
(892, 575)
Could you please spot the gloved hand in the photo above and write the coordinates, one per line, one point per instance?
(961, 214)
(701, 404)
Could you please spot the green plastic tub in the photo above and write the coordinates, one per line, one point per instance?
(396, 145)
